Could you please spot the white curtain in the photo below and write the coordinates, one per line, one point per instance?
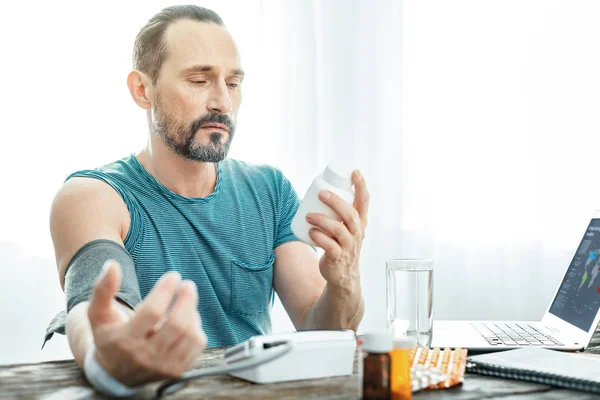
(500, 123)
(471, 121)
(336, 96)
(474, 122)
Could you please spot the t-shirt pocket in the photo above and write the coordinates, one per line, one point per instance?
(251, 287)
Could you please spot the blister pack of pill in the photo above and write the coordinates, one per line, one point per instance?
(436, 368)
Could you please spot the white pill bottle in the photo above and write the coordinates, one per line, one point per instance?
(337, 180)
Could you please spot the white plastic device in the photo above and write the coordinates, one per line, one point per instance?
(314, 354)
(268, 355)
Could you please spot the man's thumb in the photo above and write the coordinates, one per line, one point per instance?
(101, 308)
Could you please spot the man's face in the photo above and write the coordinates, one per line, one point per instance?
(198, 93)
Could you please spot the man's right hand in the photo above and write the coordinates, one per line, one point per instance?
(151, 343)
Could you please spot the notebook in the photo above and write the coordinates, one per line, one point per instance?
(534, 364)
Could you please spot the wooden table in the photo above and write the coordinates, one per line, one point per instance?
(63, 380)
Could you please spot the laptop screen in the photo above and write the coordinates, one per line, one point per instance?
(578, 297)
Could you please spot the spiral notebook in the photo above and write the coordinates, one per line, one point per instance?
(534, 364)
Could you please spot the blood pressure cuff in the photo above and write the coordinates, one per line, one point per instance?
(81, 275)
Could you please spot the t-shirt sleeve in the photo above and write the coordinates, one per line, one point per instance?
(289, 204)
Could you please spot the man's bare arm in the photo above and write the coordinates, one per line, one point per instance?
(83, 210)
(325, 293)
(336, 309)
(309, 300)
(130, 345)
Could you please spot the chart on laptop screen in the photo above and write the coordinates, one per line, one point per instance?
(578, 297)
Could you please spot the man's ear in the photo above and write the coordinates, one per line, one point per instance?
(140, 88)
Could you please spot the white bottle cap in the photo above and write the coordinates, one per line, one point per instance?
(404, 342)
(377, 342)
(337, 176)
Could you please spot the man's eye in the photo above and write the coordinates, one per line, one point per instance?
(234, 85)
(199, 82)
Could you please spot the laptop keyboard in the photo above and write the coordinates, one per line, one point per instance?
(515, 334)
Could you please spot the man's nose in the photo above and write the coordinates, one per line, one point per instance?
(219, 100)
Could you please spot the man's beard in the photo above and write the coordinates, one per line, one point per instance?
(182, 139)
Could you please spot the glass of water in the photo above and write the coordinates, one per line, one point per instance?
(410, 299)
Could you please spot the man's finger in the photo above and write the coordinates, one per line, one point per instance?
(188, 350)
(180, 320)
(334, 229)
(346, 211)
(330, 246)
(361, 199)
(100, 310)
(154, 307)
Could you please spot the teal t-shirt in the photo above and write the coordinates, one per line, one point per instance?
(223, 242)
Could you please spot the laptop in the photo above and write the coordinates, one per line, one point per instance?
(568, 323)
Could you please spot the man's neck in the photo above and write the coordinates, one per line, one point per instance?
(178, 174)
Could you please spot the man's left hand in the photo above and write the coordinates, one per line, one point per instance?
(341, 241)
